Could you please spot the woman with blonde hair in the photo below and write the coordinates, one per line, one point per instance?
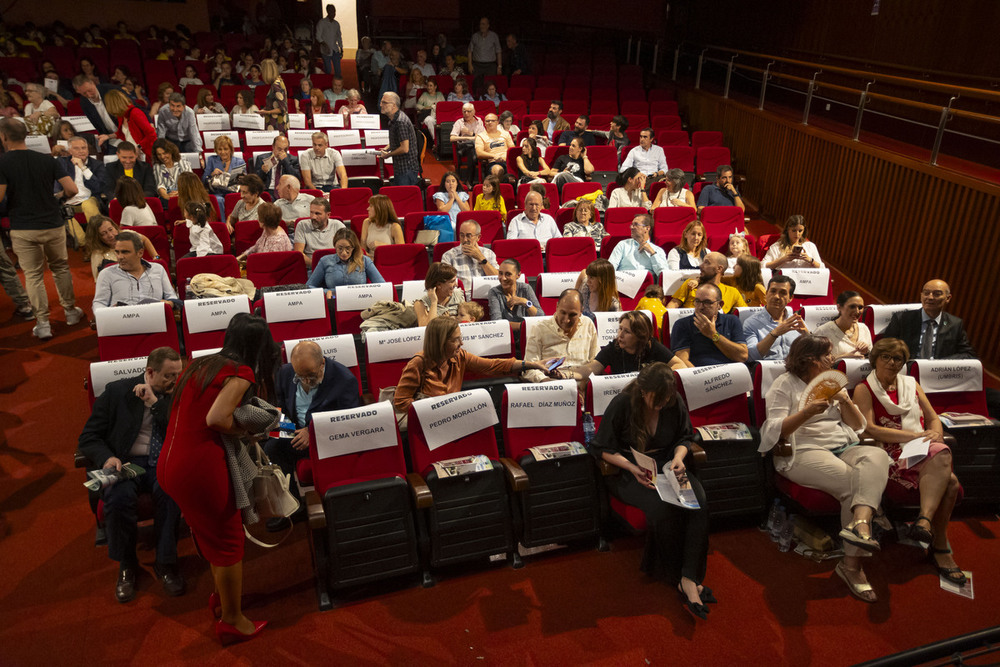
(598, 288)
(353, 104)
(275, 109)
(691, 251)
(223, 167)
(206, 102)
(99, 244)
(349, 266)
(381, 227)
(133, 126)
(738, 246)
(190, 189)
(415, 85)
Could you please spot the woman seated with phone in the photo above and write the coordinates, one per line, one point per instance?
(633, 349)
(792, 250)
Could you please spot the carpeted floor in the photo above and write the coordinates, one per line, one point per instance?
(564, 607)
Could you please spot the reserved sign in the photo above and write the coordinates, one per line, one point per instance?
(297, 121)
(103, 372)
(543, 404)
(606, 387)
(366, 121)
(488, 338)
(553, 284)
(213, 314)
(769, 372)
(481, 285)
(413, 290)
(293, 305)
(881, 314)
(204, 353)
(809, 282)
(344, 137)
(322, 120)
(448, 418)
(857, 370)
(352, 298)
(376, 138)
(671, 281)
(144, 318)
(300, 138)
(937, 375)
(248, 121)
(629, 282)
(358, 157)
(212, 121)
(211, 136)
(814, 316)
(339, 348)
(354, 430)
(394, 345)
(80, 123)
(711, 384)
(674, 314)
(262, 137)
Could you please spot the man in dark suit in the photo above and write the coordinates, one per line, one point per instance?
(310, 383)
(89, 175)
(929, 332)
(127, 425)
(279, 162)
(92, 104)
(128, 165)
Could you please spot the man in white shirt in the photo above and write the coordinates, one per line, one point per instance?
(463, 135)
(533, 224)
(421, 64)
(566, 334)
(317, 232)
(470, 259)
(93, 108)
(639, 252)
(293, 204)
(647, 158)
(322, 167)
(134, 280)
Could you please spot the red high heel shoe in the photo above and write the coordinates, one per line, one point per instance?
(226, 632)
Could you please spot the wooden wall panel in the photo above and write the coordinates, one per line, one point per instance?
(888, 221)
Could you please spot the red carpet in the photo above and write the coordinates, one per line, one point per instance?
(577, 607)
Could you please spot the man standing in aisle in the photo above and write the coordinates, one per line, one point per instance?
(402, 146)
(331, 41)
(485, 55)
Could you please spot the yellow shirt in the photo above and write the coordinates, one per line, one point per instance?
(731, 296)
(483, 204)
(653, 305)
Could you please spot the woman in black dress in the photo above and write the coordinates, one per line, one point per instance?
(650, 417)
(633, 349)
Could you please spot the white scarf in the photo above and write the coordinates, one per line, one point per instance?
(908, 407)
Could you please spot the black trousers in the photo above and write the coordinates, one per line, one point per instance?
(121, 517)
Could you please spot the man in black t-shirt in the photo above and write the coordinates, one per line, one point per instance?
(27, 180)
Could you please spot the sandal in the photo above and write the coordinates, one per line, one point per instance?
(706, 595)
(918, 534)
(857, 590)
(851, 535)
(696, 610)
(953, 575)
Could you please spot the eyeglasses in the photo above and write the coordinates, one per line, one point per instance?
(704, 302)
(889, 358)
(490, 121)
(638, 225)
(469, 235)
(344, 248)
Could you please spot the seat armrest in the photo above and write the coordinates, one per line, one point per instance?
(80, 460)
(949, 440)
(314, 511)
(698, 454)
(515, 473)
(607, 469)
(421, 492)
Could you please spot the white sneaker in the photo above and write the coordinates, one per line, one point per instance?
(42, 330)
(75, 316)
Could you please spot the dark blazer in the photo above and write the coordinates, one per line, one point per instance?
(95, 118)
(115, 420)
(142, 172)
(952, 343)
(98, 181)
(337, 391)
(290, 165)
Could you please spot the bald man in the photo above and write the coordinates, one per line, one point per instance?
(929, 332)
(566, 334)
(311, 383)
(712, 268)
(491, 146)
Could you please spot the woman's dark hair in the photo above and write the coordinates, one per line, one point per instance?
(198, 212)
(793, 221)
(534, 146)
(252, 183)
(620, 121)
(750, 275)
(658, 379)
(845, 296)
(437, 333)
(641, 328)
(128, 192)
(248, 342)
(627, 175)
(538, 126)
(169, 147)
(805, 350)
(439, 273)
(445, 178)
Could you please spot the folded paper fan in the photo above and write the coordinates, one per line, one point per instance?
(823, 387)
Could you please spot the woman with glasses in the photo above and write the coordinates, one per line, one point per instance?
(851, 339)
(897, 412)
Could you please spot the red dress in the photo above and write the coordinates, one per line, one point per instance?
(142, 131)
(192, 470)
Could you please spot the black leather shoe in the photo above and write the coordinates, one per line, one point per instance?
(173, 582)
(125, 586)
(100, 537)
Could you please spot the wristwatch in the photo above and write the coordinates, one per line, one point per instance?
(716, 336)
(528, 304)
(484, 261)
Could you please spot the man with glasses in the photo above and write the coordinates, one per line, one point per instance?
(769, 333)
(492, 145)
(310, 383)
(402, 146)
(317, 232)
(639, 252)
(470, 259)
(647, 158)
(712, 268)
(708, 336)
(533, 224)
(463, 134)
(929, 332)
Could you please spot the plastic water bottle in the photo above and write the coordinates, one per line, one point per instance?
(779, 522)
(787, 530)
(588, 429)
(772, 517)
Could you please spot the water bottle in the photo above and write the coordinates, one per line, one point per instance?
(588, 429)
(188, 294)
(787, 530)
(779, 522)
(772, 517)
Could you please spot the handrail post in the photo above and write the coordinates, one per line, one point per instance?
(656, 54)
(638, 50)
(763, 85)
(861, 110)
(701, 61)
(729, 76)
(945, 117)
(809, 98)
(677, 59)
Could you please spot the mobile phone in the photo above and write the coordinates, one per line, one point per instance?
(797, 250)
(555, 363)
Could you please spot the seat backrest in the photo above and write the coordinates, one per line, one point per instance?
(348, 202)
(716, 394)
(710, 158)
(340, 348)
(681, 157)
(447, 112)
(856, 370)
(452, 426)
(296, 313)
(156, 235)
(538, 414)
(413, 222)
(551, 191)
(671, 137)
(705, 139)
(205, 320)
(387, 353)
(570, 253)
(876, 316)
(135, 331)
(352, 299)
(526, 251)
(492, 339)
(813, 316)
(601, 389)
(353, 445)
(952, 385)
(265, 269)
(399, 262)
(764, 374)
(104, 372)
(618, 220)
(573, 191)
(669, 223)
(246, 233)
(673, 314)
(405, 198)
(490, 223)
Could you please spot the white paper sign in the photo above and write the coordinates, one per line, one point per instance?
(104, 372)
(674, 314)
(323, 120)
(344, 137)
(393, 345)
(711, 384)
(248, 121)
(809, 282)
(38, 143)
(351, 298)
(542, 404)
(297, 121)
(365, 121)
(629, 282)
(213, 314)
(376, 138)
(363, 429)
(294, 305)
(127, 320)
(769, 372)
(413, 290)
(339, 348)
(553, 284)
(481, 285)
(488, 338)
(80, 123)
(607, 325)
(857, 370)
(108, 159)
(358, 157)
(261, 138)
(448, 418)
(204, 353)
(814, 316)
(193, 160)
(210, 137)
(881, 314)
(606, 387)
(212, 121)
(671, 281)
(300, 138)
(937, 375)
(527, 326)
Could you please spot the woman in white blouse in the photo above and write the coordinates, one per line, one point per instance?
(630, 190)
(792, 250)
(851, 339)
(674, 194)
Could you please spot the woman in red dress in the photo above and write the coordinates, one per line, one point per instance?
(192, 468)
(133, 125)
